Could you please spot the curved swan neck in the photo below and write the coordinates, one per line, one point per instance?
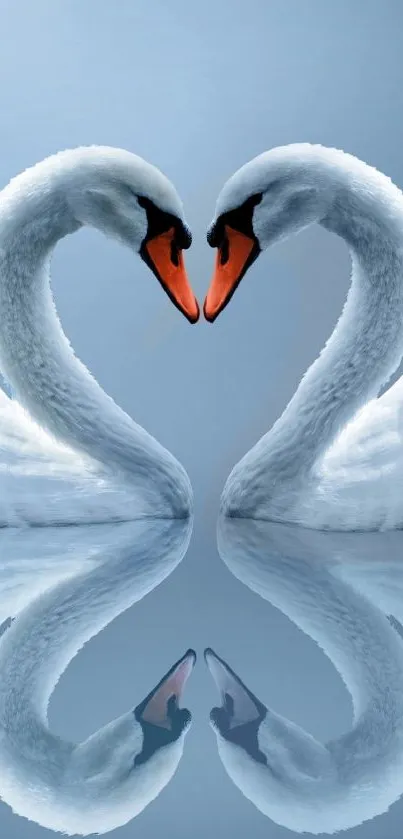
(35, 355)
(367, 343)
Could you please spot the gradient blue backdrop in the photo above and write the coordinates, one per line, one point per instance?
(199, 88)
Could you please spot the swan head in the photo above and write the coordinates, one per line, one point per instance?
(127, 198)
(276, 764)
(272, 196)
(125, 765)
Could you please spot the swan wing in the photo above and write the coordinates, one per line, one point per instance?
(358, 484)
(44, 482)
(373, 438)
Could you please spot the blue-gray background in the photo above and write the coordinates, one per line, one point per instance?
(199, 88)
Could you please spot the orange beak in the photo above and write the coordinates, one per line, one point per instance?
(173, 684)
(233, 260)
(166, 261)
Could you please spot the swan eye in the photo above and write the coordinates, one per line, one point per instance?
(158, 221)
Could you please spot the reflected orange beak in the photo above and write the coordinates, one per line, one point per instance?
(173, 684)
(166, 261)
(234, 258)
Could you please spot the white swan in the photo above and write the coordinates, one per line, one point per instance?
(69, 454)
(334, 459)
(287, 774)
(102, 783)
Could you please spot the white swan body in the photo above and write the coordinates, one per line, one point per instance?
(102, 783)
(289, 776)
(334, 459)
(68, 453)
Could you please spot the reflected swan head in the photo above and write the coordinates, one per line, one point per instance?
(274, 762)
(126, 764)
(276, 194)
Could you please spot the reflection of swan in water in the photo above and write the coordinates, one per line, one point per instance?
(288, 775)
(69, 454)
(102, 783)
